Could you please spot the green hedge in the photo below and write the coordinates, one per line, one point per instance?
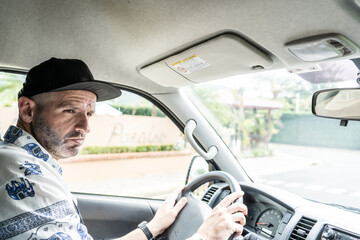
(139, 111)
(125, 149)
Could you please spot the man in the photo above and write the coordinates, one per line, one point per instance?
(55, 104)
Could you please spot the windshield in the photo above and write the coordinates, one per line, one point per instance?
(266, 121)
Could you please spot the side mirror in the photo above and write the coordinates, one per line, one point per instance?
(339, 103)
(198, 166)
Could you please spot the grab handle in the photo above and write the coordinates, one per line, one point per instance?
(189, 129)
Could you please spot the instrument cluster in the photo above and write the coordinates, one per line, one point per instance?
(266, 218)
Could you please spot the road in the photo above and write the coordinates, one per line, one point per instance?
(327, 175)
(306, 171)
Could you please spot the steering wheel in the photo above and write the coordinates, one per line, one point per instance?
(196, 211)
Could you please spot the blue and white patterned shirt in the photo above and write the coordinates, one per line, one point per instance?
(35, 203)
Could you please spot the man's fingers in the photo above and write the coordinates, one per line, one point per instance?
(238, 229)
(238, 207)
(171, 199)
(239, 217)
(176, 193)
(231, 198)
(179, 205)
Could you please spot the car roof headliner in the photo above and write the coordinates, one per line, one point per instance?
(117, 38)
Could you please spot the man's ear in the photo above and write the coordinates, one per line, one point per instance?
(26, 109)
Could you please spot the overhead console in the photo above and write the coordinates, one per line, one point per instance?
(223, 56)
(322, 47)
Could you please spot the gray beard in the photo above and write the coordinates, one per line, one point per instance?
(51, 140)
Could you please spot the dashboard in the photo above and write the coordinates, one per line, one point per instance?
(276, 214)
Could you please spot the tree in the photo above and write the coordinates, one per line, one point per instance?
(10, 85)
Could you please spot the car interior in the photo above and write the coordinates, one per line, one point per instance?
(170, 52)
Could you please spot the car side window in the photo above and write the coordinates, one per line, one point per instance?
(133, 149)
(10, 84)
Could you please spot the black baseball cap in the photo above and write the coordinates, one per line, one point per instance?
(56, 75)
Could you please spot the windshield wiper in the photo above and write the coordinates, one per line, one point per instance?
(347, 208)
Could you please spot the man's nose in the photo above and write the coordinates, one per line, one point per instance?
(82, 124)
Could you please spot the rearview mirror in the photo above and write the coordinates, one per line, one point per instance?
(337, 103)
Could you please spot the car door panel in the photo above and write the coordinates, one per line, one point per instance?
(108, 217)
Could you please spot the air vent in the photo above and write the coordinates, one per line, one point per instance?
(210, 192)
(302, 229)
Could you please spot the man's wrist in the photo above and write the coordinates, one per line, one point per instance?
(154, 228)
(143, 227)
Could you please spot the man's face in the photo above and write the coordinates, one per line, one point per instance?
(61, 123)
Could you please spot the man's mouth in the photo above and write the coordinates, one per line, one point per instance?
(77, 141)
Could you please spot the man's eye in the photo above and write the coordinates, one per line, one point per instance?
(69, 110)
(89, 114)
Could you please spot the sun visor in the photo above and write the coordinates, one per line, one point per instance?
(223, 56)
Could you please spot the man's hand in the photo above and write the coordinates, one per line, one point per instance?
(167, 213)
(225, 219)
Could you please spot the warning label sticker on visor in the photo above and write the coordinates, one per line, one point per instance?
(190, 65)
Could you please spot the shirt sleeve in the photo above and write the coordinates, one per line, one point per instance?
(35, 202)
